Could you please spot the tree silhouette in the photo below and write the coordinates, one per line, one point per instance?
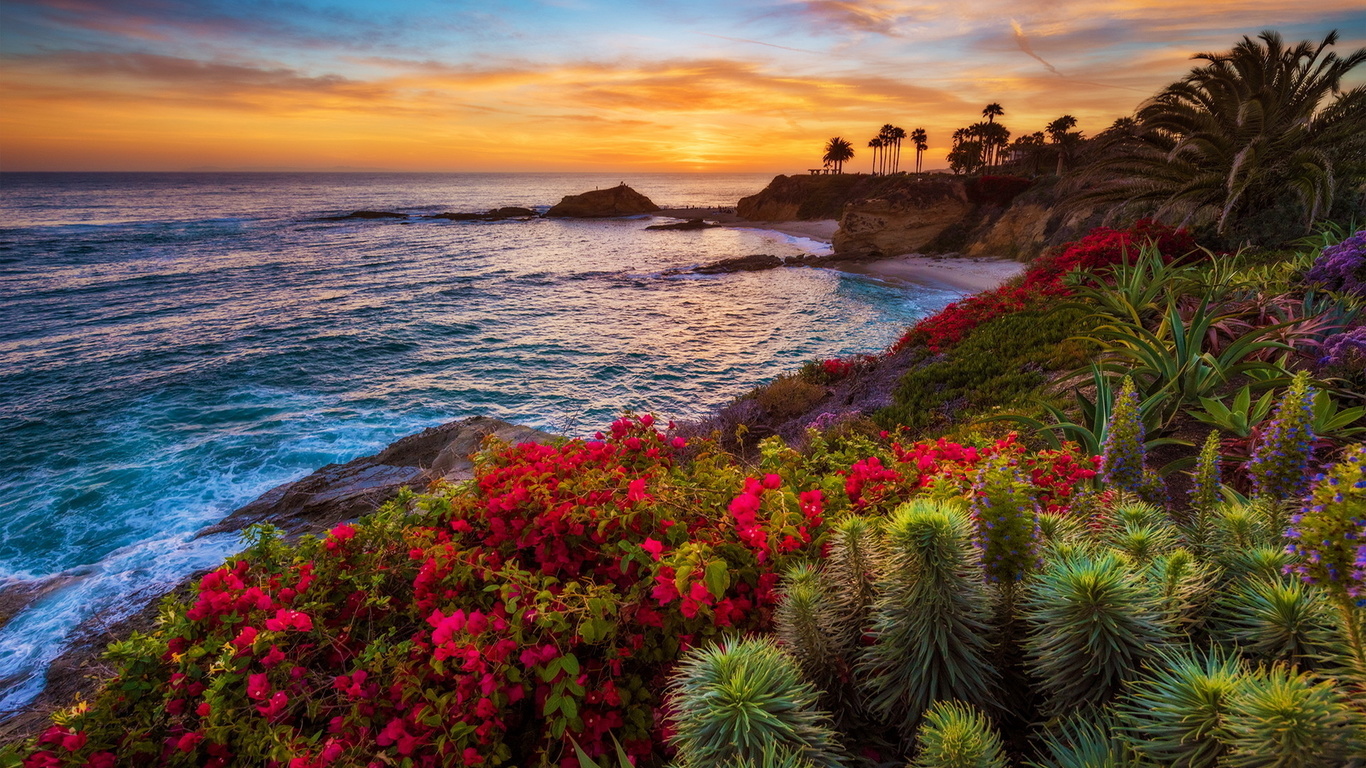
(991, 112)
(1063, 140)
(837, 151)
(921, 141)
(897, 134)
(1261, 127)
(875, 144)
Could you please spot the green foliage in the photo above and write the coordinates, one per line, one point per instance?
(1284, 719)
(933, 618)
(1237, 418)
(811, 626)
(1277, 620)
(1086, 739)
(1123, 462)
(955, 735)
(1175, 716)
(1092, 623)
(1184, 585)
(1205, 488)
(739, 699)
(857, 555)
(1001, 363)
(1327, 532)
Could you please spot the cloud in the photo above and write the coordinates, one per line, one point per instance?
(1023, 42)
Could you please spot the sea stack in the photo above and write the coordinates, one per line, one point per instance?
(620, 200)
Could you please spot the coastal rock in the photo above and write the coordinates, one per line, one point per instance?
(340, 492)
(365, 215)
(904, 220)
(497, 214)
(685, 226)
(512, 212)
(620, 200)
(754, 263)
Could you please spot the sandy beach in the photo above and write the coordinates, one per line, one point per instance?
(960, 273)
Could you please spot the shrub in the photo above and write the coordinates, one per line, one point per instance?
(1175, 716)
(1007, 521)
(932, 620)
(1277, 620)
(1206, 481)
(1092, 624)
(812, 627)
(1082, 740)
(788, 396)
(957, 736)
(1283, 719)
(742, 698)
(1280, 463)
(1122, 456)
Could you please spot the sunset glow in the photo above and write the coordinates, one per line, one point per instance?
(577, 84)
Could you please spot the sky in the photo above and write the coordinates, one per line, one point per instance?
(580, 85)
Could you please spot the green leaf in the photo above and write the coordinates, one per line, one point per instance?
(717, 578)
(570, 664)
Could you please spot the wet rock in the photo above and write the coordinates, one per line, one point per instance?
(365, 215)
(512, 212)
(754, 263)
(620, 200)
(685, 226)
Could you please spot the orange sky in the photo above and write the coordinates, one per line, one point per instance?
(575, 84)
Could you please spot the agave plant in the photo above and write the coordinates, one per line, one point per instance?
(955, 735)
(932, 620)
(741, 698)
(1093, 623)
(1176, 715)
(1283, 718)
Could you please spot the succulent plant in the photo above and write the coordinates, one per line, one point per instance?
(933, 618)
(1279, 467)
(740, 700)
(1142, 543)
(1277, 619)
(1085, 739)
(1175, 716)
(1093, 623)
(1284, 719)
(811, 627)
(955, 735)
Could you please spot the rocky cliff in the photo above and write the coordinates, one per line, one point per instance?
(904, 219)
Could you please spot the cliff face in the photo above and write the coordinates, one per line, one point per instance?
(811, 198)
(903, 220)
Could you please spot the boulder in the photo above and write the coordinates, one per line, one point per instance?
(511, 212)
(620, 200)
(684, 226)
(904, 220)
(340, 492)
(754, 263)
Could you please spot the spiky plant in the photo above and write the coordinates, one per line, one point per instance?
(932, 619)
(773, 756)
(1084, 740)
(1284, 719)
(811, 627)
(1122, 455)
(1142, 543)
(1264, 562)
(1274, 619)
(1060, 528)
(857, 556)
(1007, 521)
(1176, 715)
(1280, 462)
(1129, 510)
(735, 700)
(1231, 528)
(1329, 536)
(1205, 488)
(955, 735)
(1184, 586)
(1093, 623)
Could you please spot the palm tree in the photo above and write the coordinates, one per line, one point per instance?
(921, 141)
(897, 135)
(885, 134)
(837, 151)
(875, 144)
(1058, 131)
(1260, 128)
(991, 112)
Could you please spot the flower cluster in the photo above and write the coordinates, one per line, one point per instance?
(1205, 488)
(1122, 455)
(1329, 533)
(1280, 461)
(1101, 248)
(1342, 267)
(1007, 520)
(1346, 350)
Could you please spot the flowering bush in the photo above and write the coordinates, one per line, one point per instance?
(1101, 248)
(1122, 455)
(1329, 533)
(1280, 461)
(1342, 267)
(1007, 521)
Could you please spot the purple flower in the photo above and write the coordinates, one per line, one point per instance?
(1342, 267)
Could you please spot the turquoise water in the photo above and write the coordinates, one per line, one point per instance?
(173, 345)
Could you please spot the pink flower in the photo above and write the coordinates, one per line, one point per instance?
(655, 548)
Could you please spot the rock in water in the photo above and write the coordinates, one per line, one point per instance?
(620, 200)
(365, 215)
(684, 226)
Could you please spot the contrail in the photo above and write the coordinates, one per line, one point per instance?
(1023, 42)
(757, 42)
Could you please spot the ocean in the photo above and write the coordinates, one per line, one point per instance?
(173, 345)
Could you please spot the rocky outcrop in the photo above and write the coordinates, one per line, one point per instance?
(620, 200)
(365, 215)
(497, 214)
(807, 198)
(340, 492)
(903, 220)
(685, 226)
